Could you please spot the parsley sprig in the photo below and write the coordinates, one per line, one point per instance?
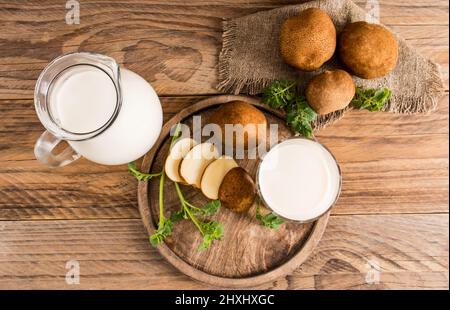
(300, 115)
(371, 99)
(210, 230)
(269, 220)
(165, 225)
(281, 94)
(141, 176)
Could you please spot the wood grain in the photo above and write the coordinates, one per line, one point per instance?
(411, 251)
(391, 164)
(150, 38)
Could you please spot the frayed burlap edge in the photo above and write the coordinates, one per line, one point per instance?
(423, 104)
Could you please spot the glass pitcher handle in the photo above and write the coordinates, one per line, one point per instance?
(43, 150)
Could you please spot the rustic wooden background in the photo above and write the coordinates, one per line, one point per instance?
(394, 206)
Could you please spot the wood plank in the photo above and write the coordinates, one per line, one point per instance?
(150, 38)
(390, 164)
(19, 116)
(410, 250)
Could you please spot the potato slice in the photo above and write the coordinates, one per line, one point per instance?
(237, 191)
(196, 161)
(176, 155)
(214, 174)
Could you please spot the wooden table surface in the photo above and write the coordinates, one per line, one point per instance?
(393, 211)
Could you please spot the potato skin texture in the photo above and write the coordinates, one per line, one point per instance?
(330, 91)
(368, 50)
(239, 112)
(308, 40)
(237, 191)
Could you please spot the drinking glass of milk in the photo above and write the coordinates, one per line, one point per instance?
(109, 115)
(299, 179)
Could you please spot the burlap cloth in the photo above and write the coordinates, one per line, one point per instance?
(250, 59)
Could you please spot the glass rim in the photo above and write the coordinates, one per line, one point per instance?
(338, 194)
(42, 104)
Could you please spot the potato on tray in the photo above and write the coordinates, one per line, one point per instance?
(214, 174)
(196, 161)
(243, 114)
(237, 191)
(176, 155)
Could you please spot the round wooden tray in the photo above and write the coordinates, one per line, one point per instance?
(248, 254)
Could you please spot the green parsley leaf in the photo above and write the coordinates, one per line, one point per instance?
(208, 209)
(371, 99)
(175, 131)
(211, 231)
(269, 220)
(164, 230)
(279, 94)
(299, 116)
(178, 216)
(141, 176)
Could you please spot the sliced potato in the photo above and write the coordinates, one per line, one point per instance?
(176, 155)
(196, 161)
(214, 174)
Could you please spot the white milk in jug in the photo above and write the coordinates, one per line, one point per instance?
(83, 98)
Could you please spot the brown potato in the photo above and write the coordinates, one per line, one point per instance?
(368, 50)
(237, 191)
(308, 40)
(240, 113)
(330, 91)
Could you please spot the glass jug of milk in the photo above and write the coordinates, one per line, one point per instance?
(109, 115)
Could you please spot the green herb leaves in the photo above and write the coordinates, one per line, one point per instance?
(141, 176)
(164, 230)
(209, 209)
(281, 95)
(165, 225)
(371, 99)
(176, 134)
(300, 115)
(269, 220)
(210, 231)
